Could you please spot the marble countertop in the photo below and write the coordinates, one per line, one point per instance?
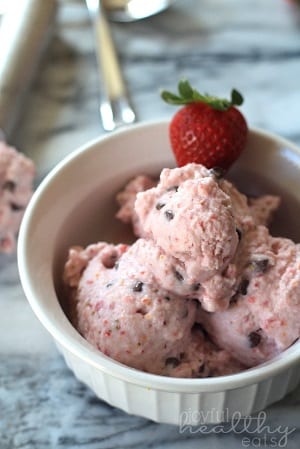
(217, 44)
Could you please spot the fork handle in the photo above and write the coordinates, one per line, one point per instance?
(115, 107)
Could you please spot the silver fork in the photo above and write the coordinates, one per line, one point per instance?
(115, 107)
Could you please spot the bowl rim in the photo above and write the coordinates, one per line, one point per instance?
(84, 350)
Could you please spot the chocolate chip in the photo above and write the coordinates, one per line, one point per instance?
(16, 207)
(178, 275)
(243, 287)
(195, 287)
(159, 206)
(116, 266)
(167, 298)
(196, 302)
(173, 188)
(242, 290)
(172, 361)
(112, 259)
(9, 185)
(254, 338)
(239, 233)
(260, 266)
(109, 260)
(234, 299)
(169, 215)
(199, 327)
(141, 312)
(217, 172)
(109, 284)
(138, 286)
(113, 256)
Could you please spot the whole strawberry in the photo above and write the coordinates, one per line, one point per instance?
(207, 130)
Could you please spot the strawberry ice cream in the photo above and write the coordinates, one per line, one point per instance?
(263, 317)
(121, 310)
(16, 179)
(260, 209)
(202, 211)
(212, 216)
(204, 291)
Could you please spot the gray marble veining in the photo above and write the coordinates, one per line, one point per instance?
(217, 44)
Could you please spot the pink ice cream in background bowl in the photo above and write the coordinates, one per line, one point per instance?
(17, 174)
(76, 205)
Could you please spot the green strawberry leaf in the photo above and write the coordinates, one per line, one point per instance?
(188, 95)
(171, 98)
(236, 97)
(185, 89)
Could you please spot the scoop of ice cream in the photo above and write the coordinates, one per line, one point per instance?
(189, 251)
(263, 318)
(191, 220)
(126, 197)
(16, 184)
(122, 311)
(246, 210)
(213, 293)
(119, 308)
(238, 331)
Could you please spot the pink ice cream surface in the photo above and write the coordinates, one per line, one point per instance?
(206, 259)
(263, 208)
(126, 199)
(121, 310)
(259, 209)
(263, 318)
(202, 211)
(195, 222)
(16, 184)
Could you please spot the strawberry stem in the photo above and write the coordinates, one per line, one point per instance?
(188, 95)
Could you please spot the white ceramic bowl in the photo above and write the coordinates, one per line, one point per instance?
(75, 205)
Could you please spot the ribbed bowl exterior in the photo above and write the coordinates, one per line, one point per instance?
(182, 408)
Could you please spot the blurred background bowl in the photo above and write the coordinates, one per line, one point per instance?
(74, 205)
(130, 10)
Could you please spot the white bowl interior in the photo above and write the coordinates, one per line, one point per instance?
(75, 206)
